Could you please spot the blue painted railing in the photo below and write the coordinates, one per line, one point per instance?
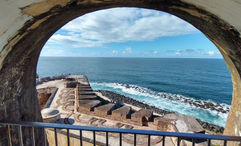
(193, 137)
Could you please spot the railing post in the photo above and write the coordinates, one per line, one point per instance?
(20, 135)
(163, 140)
(80, 138)
(120, 139)
(149, 140)
(55, 137)
(225, 143)
(33, 136)
(45, 137)
(9, 135)
(134, 139)
(68, 137)
(107, 138)
(178, 141)
(193, 142)
(209, 142)
(94, 138)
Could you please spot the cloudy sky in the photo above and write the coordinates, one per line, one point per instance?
(129, 32)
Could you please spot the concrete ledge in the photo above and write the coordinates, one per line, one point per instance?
(104, 110)
(142, 117)
(86, 106)
(121, 113)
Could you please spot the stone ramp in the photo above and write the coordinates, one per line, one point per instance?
(104, 110)
(185, 123)
(121, 113)
(142, 117)
(164, 124)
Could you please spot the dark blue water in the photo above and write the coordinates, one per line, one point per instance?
(145, 78)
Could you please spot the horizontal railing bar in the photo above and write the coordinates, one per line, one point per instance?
(127, 131)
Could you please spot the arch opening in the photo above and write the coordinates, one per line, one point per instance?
(19, 53)
(141, 30)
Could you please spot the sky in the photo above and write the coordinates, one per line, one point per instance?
(129, 32)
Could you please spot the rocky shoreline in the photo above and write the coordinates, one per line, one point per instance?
(208, 105)
(115, 97)
(197, 103)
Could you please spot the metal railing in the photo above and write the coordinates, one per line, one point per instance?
(192, 137)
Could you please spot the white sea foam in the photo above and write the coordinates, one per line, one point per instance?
(172, 102)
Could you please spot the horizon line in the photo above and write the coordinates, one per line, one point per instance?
(134, 57)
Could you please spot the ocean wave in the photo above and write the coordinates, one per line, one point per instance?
(208, 111)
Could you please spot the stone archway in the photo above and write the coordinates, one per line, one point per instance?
(26, 25)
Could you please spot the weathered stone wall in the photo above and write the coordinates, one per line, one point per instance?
(44, 95)
(62, 139)
(26, 25)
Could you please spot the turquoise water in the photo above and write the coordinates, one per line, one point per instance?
(150, 80)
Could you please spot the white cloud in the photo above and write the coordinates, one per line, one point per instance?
(211, 53)
(52, 52)
(193, 53)
(128, 50)
(73, 40)
(115, 52)
(155, 52)
(178, 53)
(120, 25)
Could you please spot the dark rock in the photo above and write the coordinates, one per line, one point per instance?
(211, 127)
(123, 99)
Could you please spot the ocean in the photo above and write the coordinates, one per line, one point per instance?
(167, 83)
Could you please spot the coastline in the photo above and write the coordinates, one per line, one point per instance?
(115, 97)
